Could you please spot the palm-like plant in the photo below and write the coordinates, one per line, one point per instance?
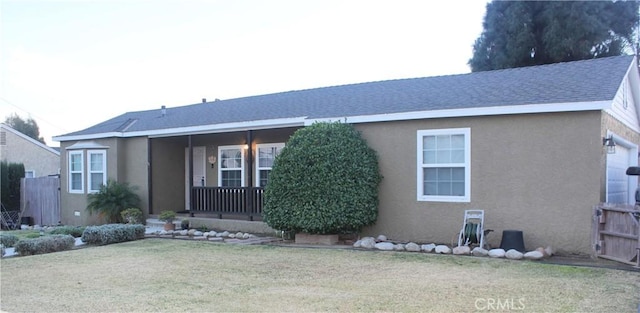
(113, 198)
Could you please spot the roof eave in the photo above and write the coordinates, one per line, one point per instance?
(470, 112)
(194, 130)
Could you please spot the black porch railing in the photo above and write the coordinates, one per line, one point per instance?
(246, 201)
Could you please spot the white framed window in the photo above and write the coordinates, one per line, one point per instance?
(76, 172)
(97, 169)
(266, 155)
(29, 174)
(231, 169)
(444, 165)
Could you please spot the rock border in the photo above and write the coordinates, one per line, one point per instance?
(383, 243)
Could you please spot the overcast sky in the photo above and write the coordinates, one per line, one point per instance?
(72, 64)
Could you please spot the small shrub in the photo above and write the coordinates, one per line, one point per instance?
(46, 244)
(75, 231)
(112, 233)
(31, 235)
(203, 228)
(167, 216)
(132, 216)
(8, 240)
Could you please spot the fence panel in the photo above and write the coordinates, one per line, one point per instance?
(41, 200)
(617, 233)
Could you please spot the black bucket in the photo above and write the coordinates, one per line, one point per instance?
(512, 239)
(26, 220)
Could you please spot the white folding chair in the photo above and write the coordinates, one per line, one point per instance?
(472, 231)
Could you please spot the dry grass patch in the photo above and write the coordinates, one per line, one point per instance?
(173, 275)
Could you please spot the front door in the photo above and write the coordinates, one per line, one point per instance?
(199, 172)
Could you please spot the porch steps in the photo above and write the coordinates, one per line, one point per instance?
(156, 223)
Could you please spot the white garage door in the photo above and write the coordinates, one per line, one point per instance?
(617, 179)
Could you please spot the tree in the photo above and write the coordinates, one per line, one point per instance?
(28, 127)
(112, 199)
(525, 33)
(325, 181)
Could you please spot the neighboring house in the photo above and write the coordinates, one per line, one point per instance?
(527, 145)
(38, 158)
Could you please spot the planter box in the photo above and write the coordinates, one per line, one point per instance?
(310, 239)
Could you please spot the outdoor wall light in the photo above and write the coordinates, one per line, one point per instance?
(212, 160)
(610, 144)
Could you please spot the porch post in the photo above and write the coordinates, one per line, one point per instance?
(250, 174)
(190, 173)
(149, 177)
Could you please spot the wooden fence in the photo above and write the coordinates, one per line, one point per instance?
(41, 200)
(616, 233)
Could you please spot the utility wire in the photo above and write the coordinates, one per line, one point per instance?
(32, 115)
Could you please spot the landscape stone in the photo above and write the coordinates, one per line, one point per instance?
(239, 235)
(549, 251)
(381, 238)
(191, 232)
(368, 243)
(443, 249)
(428, 247)
(477, 251)
(197, 233)
(246, 236)
(513, 254)
(183, 232)
(534, 255)
(358, 243)
(385, 246)
(398, 247)
(460, 250)
(412, 247)
(225, 234)
(497, 253)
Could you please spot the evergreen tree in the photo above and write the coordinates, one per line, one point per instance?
(28, 127)
(525, 33)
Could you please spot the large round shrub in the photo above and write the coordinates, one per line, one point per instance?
(325, 181)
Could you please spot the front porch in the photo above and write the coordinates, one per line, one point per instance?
(213, 175)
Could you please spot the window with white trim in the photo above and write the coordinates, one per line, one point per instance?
(231, 169)
(266, 155)
(444, 165)
(76, 172)
(29, 174)
(97, 169)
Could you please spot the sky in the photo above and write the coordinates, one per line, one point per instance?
(71, 64)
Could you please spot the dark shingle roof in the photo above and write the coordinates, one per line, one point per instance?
(580, 81)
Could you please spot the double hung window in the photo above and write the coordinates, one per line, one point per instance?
(266, 155)
(231, 170)
(444, 168)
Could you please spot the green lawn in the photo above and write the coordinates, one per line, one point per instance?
(163, 275)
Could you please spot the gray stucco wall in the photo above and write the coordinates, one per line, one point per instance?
(126, 162)
(539, 173)
(34, 157)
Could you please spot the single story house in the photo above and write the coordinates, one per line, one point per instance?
(532, 147)
(38, 158)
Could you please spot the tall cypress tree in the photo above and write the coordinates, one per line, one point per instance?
(525, 33)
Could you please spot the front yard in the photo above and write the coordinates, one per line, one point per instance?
(176, 275)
